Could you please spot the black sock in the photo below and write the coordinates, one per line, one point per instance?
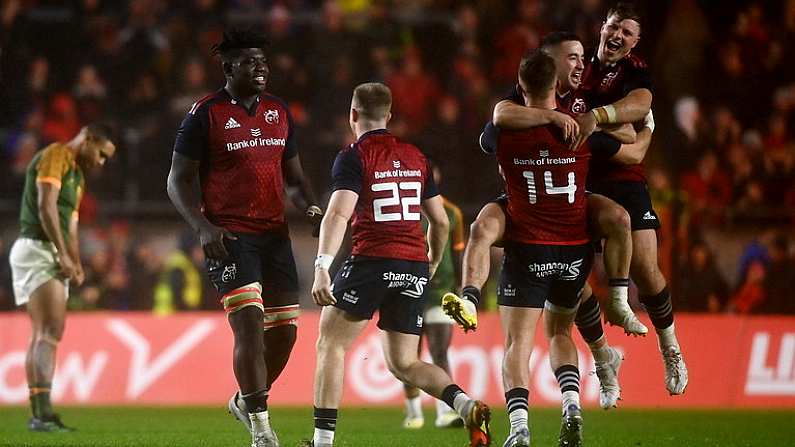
(589, 320)
(568, 378)
(618, 282)
(517, 399)
(326, 418)
(659, 308)
(40, 403)
(449, 394)
(256, 402)
(471, 293)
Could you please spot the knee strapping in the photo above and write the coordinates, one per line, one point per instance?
(248, 295)
(281, 316)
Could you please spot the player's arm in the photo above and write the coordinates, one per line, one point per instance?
(625, 133)
(300, 191)
(332, 230)
(629, 109)
(606, 145)
(438, 229)
(47, 205)
(74, 249)
(510, 115)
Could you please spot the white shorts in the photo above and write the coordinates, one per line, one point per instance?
(435, 315)
(33, 263)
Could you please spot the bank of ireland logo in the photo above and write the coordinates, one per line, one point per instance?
(578, 106)
(396, 164)
(272, 117)
(229, 273)
(256, 132)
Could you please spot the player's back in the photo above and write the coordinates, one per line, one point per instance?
(394, 179)
(545, 183)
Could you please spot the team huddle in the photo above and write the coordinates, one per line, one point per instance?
(569, 141)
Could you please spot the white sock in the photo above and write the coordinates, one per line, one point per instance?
(619, 293)
(570, 398)
(667, 337)
(414, 407)
(518, 419)
(323, 437)
(259, 421)
(602, 355)
(442, 408)
(459, 403)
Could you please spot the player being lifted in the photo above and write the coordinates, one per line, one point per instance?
(547, 245)
(237, 147)
(437, 327)
(608, 219)
(383, 183)
(619, 84)
(45, 259)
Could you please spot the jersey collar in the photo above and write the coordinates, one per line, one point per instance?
(372, 132)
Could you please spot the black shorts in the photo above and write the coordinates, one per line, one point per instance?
(264, 258)
(634, 197)
(534, 274)
(394, 287)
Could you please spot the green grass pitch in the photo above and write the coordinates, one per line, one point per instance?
(210, 427)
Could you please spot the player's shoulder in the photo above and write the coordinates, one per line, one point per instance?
(57, 151)
(634, 62)
(204, 103)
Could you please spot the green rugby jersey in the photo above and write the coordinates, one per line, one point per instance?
(444, 280)
(57, 166)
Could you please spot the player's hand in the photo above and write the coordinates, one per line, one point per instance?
(212, 240)
(569, 126)
(321, 288)
(587, 122)
(315, 215)
(67, 268)
(80, 276)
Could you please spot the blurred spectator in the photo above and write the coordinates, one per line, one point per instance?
(751, 296)
(701, 286)
(179, 286)
(61, 121)
(780, 280)
(414, 92)
(688, 139)
(709, 190)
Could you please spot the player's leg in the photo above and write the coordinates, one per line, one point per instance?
(439, 333)
(563, 361)
(655, 296)
(338, 330)
(606, 358)
(485, 231)
(519, 326)
(414, 417)
(47, 310)
(400, 352)
(612, 222)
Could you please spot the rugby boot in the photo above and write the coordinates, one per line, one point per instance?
(618, 313)
(477, 420)
(237, 408)
(461, 310)
(675, 370)
(48, 424)
(571, 428)
(448, 419)
(607, 372)
(520, 438)
(413, 423)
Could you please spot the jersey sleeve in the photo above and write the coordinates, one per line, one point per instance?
(515, 95)
(457, 241)
(347, 172)
(430, 189)
(53, 165)
(638, 78)
(290, 146)
(191, 138)
(488, 139)
(603, 145)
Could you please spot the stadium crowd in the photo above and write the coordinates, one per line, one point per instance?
(723, 156)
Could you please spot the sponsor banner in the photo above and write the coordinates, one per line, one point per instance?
(136, 358)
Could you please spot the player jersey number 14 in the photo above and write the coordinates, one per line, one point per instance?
(405, 194)
(551, 189)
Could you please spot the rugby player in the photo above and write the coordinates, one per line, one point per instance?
(383, 183)
(437, 326)
(547, 246)
(45, 259)
(233, 153)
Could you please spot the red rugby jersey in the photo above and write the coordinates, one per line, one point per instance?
(392, 179)
(241, 153)
(544, 182)
(603, 85)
